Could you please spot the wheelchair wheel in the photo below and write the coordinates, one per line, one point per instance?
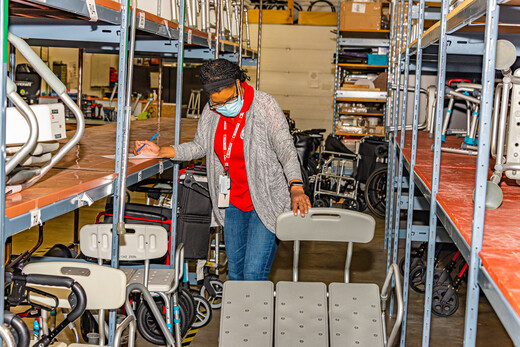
(217, 287)
(375, 193)
(148, 326)
(203, 311)
(189, 303)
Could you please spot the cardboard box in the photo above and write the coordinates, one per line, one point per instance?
(317, 18)
(360, 16)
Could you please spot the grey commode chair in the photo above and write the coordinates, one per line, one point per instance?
(304, 313)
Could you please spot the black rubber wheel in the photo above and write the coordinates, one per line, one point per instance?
(413, 259)
(418, 279)
(361, 201)
(350, 204)
(445, 300)
(314, 3)
(375, 193)
(203, 312)
(321, 202)
(216, 300)
(148, 326)
(189, 303)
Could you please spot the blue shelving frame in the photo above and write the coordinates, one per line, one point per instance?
(108, 35)
(449, 41)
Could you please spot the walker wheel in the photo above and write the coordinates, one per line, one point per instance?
(148, 326)
(445, 300)
(321, 202)
(217, 287)
(418, 279)
(350, 204)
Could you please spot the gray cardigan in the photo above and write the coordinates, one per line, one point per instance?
(269, 153)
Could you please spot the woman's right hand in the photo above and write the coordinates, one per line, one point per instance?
(149, 148)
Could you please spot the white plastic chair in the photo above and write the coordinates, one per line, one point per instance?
(140, 243)
(300, 312)
(105, 288)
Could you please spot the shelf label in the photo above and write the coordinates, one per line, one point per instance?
(141, 20)
(358, 7)
(36, 217)
(165, 22)
(161, 167)
(190, 34)
(139, 176)
(92, 11)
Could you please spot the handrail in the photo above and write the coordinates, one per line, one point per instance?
(43, 70)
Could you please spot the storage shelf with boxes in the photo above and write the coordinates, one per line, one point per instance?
(360, 84)
(361, 62)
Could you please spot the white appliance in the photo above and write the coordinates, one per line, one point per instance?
(51, 124)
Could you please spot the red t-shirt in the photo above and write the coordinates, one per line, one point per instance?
(239, 193)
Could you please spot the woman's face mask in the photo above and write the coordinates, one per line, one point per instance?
(232, 108)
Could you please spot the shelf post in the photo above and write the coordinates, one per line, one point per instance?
(4, 17)
(336, 73)
(439, 112)
(479, 207)
(389, 119)
(404, 110)
(411, 180)
(122, 138)
(394, 210)
(176, 141)
(259, 45)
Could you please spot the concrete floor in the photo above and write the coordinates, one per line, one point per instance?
(319, 262)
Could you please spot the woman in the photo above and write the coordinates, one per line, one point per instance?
(253, 169)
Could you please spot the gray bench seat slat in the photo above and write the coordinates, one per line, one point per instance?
(247, 314)
(355, 315)
(301, 314)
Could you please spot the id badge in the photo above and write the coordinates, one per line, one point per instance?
(224, 185)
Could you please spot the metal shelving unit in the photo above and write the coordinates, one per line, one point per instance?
(402, 50)
(110, 32)
(356, 38)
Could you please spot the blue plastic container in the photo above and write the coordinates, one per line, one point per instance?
(377, 59)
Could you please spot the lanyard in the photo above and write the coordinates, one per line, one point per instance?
(226, 149)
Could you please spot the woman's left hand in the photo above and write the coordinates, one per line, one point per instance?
(299, 201)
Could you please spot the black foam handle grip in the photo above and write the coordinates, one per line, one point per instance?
(24, 336)
(49, 280)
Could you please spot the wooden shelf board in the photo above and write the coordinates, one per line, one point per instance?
(363, 66)
(361, 114)
(358, 135)
(360, 100)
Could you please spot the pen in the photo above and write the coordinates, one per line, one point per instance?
(151, 139)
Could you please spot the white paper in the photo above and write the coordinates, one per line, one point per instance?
(358, 8)
(134, 157)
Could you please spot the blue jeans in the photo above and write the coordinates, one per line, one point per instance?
(250, 246)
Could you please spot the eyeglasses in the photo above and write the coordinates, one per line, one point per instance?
(213, 106)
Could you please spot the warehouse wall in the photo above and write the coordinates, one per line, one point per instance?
(296, 68)
(69, 56)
